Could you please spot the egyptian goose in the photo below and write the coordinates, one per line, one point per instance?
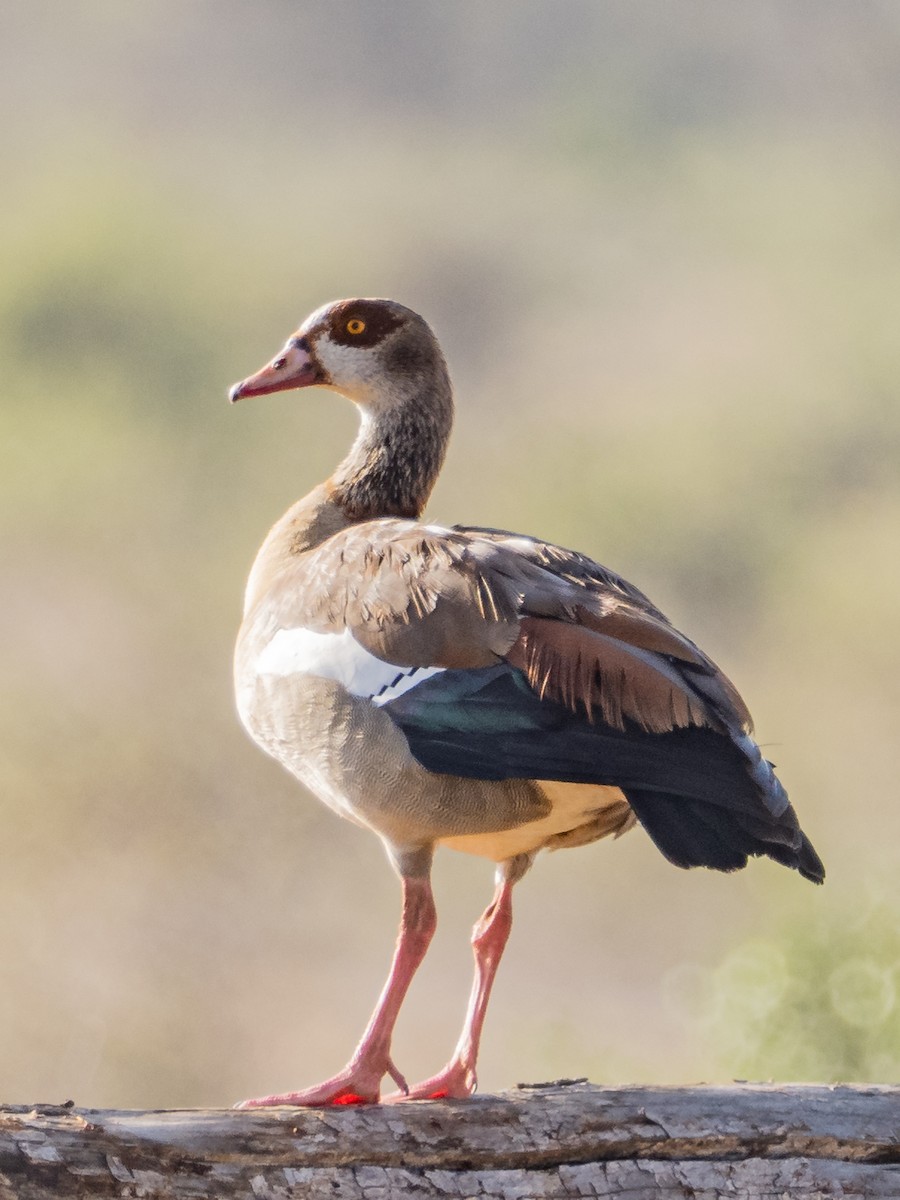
(470, 687)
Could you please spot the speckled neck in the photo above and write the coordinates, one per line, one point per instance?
(397, 456)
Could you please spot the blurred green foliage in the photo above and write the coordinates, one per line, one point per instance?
(814, 1000)
(661, 253)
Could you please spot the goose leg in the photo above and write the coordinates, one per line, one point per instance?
(360, 1081)
(489, 937)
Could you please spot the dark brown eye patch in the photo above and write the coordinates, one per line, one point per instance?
(362, 322)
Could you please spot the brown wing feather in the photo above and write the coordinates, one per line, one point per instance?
(645, 632)
(576, 666)
(569, 565)
(587, 593)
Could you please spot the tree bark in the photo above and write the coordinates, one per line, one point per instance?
(565, 1139)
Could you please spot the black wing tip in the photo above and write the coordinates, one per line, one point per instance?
(692, 833)
(802, 859)
(728, 859)
(808, 862)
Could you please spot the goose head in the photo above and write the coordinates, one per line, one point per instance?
(375, 352)
(384, 358)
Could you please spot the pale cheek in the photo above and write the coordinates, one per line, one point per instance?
(355, 371)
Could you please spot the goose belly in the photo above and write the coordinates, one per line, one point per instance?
(579, 813)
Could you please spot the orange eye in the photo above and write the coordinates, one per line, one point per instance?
(355, 325)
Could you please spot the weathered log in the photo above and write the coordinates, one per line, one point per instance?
(554, 1140)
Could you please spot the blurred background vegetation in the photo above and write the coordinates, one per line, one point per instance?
(660, 246)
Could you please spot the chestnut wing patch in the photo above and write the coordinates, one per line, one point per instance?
(596, 673)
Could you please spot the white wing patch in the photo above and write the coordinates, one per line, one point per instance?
(339, 656)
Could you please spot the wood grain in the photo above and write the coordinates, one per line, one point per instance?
(554, 1140)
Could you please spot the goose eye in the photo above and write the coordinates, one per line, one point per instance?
(355, 325)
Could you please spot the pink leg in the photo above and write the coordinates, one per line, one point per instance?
(458, 1078)
(360, 1080)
